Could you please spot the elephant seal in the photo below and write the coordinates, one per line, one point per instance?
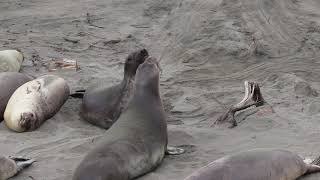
(262, 164)
(34, 102)
(136, 143)
(11, 166)
(9, 82)
(10, 60)
(102, 104)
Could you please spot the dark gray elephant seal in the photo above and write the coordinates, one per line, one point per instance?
(136, 143)
(9, 82)
(11, 166)
(257, 164)
(102, 104)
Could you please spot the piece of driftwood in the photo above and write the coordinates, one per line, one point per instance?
(66, 64)
(252, 97)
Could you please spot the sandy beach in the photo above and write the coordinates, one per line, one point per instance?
(207, 49)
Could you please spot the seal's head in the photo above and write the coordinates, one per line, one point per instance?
(134, 60)
(148, 74)
(29, 120)
(22, 121)
(8, 167)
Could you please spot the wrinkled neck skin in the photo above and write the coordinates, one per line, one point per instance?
(127, 82)
(127, 88)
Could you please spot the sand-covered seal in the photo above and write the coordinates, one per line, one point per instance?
(262, 164)
(34, 102)
(9, 82)
(10, 60)
(137, 141)
(102, 104)
(11, 166)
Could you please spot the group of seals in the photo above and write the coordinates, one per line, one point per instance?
(11, 166)
(136, 143)
(102, 104)
(34, 102)
(137, 139)
(257, 164)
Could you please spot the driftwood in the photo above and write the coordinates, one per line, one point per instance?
(63, 64)
(252, 97)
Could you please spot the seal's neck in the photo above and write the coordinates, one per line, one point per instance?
(127, 88)
(148, 88)
(127, 81)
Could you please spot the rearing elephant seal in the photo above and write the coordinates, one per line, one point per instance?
(102, 104)
(136, 143)
(9, 82)
(257, 164)
(11, 166)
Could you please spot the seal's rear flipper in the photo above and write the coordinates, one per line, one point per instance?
(314, 166)
(174, 150)
(78, 94)
(316, 161)
(22, 162)
(311, 168)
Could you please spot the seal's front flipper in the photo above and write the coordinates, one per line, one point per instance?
(174, 150)
(78, 94)
(22, 162)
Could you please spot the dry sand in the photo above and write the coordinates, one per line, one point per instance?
(207, 49)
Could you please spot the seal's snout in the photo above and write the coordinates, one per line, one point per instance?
(153, 62)
(144, 55)
(28, 119)
(144, 52)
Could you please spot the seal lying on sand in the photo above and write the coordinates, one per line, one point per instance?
(137, 141)
(11, 166)
(10, 60)
(34, 102)
(262, 164)
(102, 104)
(9, 82)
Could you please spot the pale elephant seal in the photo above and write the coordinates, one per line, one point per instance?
(262, 164)
(10, 60)
(11, 166)
(34, 102)
(9, 82)
(137, 141)
(102, 104)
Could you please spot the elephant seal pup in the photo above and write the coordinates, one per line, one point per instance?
(9, 82)
(136, 143)
(10, 60)
(102, 104)
(11, 166)
(34, 102)
(262, 164)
